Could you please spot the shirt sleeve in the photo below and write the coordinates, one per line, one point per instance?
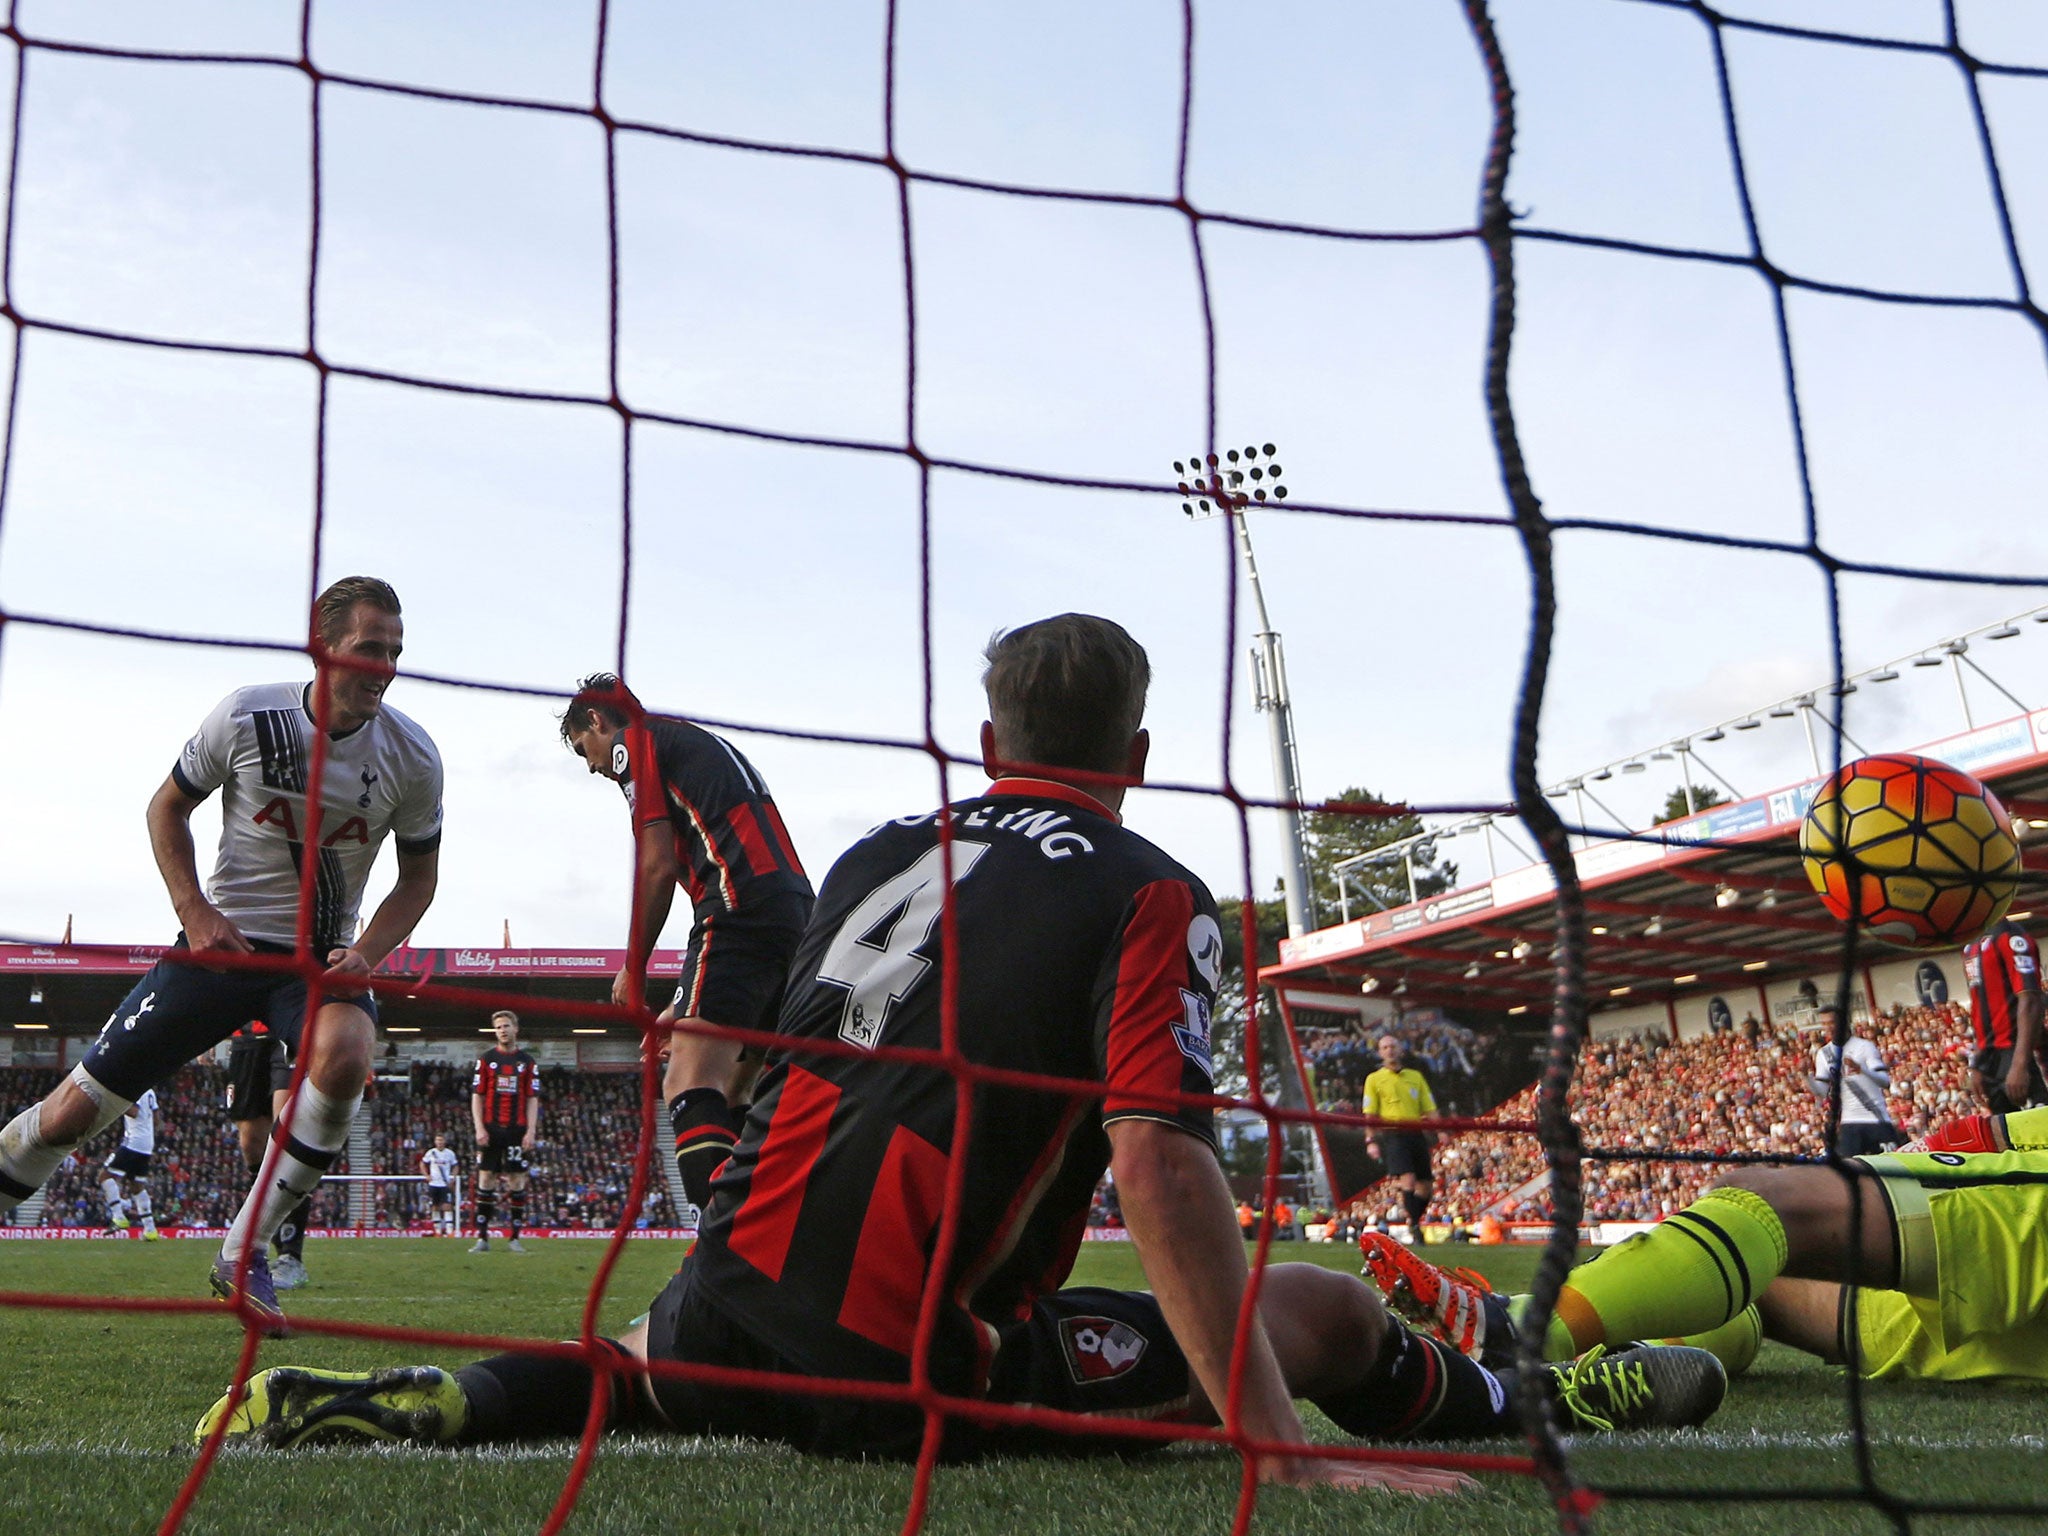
(2026, 962)
(1427, 1099)
(645, 794)
(417, 824)
(476, 1076)
(1154, 1001)
(209, 757)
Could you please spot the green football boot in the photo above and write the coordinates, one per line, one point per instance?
(290, 1406)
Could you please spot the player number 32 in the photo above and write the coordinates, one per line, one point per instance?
(875, 954)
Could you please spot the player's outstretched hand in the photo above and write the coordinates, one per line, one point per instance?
(1382, 1476)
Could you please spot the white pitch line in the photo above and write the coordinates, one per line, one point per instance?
(680, 1447)
(647, 1448)
(1795, 1440)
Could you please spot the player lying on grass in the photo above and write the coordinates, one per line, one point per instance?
(1075, 950)
(383, 777)
(702, 817)
(1938, 1272)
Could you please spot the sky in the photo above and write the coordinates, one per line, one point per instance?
(777, 588)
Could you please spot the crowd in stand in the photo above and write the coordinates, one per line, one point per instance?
(1742, 1089)
(580, 1171)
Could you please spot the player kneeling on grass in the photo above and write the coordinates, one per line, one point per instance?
(1933, 1267)
(1079, 952)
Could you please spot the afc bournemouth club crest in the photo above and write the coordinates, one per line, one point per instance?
(1099, 1348)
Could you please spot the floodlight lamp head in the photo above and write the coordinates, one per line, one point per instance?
(1770, 900)
(1522, 950)
(1655, 927)
(1369, 985)
(1750, 724)
(35, 993)
(1603, 775)
(1726, 896)
(1401, 987)
(1716, 734)
(2003, 632)
(1634, 768)
(1885, 675)
(1472, 970)
(1926, 661)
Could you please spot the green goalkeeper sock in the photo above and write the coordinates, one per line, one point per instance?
(1734, 1343)
(1693, 1273)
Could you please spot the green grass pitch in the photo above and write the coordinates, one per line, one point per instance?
(97, 1409)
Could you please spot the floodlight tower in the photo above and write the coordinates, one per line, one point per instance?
(1228, 489)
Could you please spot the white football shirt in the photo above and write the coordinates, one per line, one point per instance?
(256, 747)
(439, 1163)
(1862, 1092)
(138, 1131)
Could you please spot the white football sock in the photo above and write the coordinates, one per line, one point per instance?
(312, 1138)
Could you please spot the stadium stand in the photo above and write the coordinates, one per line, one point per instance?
(581, 1169)
(1741, 1090)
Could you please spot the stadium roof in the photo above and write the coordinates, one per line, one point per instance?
(1714, 900)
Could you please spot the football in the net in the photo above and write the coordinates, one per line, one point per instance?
(1919, 853)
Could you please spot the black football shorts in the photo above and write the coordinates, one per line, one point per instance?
(503, 1153)
(1404, 1152)
(1990, 1066)
(736, 969)
(247, 1094)
(1083, 1351)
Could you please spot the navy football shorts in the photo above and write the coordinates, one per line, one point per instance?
(1081, 1350)
(736, 969)
(179, 1011)
(129, 1163)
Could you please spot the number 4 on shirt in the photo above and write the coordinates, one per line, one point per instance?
(875, 954)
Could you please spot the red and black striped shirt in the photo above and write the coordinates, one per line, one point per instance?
(507, 1081)
(735, 853)
(1081, 952)
(2001, 965)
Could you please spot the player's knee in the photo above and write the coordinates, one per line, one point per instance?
(1322, 1324)
(66, 1118)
